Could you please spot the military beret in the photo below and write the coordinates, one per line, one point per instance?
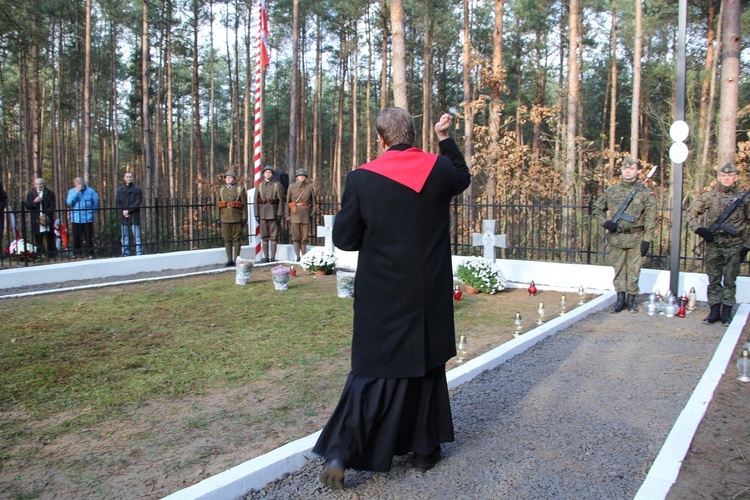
(627, 161)
(728, 169)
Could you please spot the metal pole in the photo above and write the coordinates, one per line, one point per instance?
(676, 186)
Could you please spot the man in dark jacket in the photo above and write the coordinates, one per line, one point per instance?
(128, 202)
(3, 204)
(395, 212)
(40, 202)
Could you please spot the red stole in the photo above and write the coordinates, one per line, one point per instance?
(409, 167)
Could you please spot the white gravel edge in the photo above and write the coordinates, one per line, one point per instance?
(256, 473)
(666, 466)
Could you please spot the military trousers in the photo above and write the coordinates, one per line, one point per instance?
(627, 263)
(722, 267)
(232, 234)
(269, 229)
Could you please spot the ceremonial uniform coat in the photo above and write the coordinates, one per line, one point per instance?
(403, 309)
(269, 200)
(304, 195)
(229, 195)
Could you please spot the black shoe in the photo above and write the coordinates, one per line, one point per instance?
(631, 305)
(229, 263)
(264, 259)
(426, 462)
(333, 474)
(620, 304)
(714, 315)
(726, 315)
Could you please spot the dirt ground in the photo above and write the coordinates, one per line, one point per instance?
(163, 446)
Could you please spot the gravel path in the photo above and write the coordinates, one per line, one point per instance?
(582, 414)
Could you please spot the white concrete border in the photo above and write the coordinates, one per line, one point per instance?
(256, 473)
(666, 466)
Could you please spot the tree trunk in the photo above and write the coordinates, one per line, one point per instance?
(398, 43)
(468, 110)
(145, 116)
(635, 107)
(730, 73)
(198, 141)
(572, 101)
(613, 94)
(427, 82)
(87, 97)
(292, 155)
(707, 104)
(496, 103)
(384, 57)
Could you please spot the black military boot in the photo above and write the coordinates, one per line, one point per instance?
(714, 315)
(726, 315)
(620, 304)
(632, 306)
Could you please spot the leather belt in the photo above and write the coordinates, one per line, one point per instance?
(265, 202)
(303, 204)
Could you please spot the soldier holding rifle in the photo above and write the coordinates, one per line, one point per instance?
(726, 240)
(630, 230)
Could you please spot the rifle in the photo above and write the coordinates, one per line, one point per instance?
(620, 214)
(721, 219)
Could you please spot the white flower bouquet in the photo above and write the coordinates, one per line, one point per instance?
(318, 259)
(19, 247)
(481, 274)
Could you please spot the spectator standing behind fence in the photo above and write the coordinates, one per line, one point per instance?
(396, 212)
(84, 203)
(301, 201)
(3, 204)
(232, 216)
(724, 251)
(40, 202)
(128, 201)
(628, 241)
(269, 209)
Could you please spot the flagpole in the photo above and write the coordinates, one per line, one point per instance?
(261, 58)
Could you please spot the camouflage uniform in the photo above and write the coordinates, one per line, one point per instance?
(625, 253)
(726, 252)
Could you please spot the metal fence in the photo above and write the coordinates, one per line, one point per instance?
(536, 229)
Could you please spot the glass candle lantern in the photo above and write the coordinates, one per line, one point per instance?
(517, 322)
(461, 349)
(743, 366)
(563, 305)
(691, 299)
(540, 313)
(581, 295)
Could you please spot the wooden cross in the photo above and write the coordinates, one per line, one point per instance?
(326, 231)
(489, 240)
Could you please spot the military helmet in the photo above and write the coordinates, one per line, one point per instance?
(230, 172)
(729, 168)
(627, 161)
(267, 167)
(301, 171)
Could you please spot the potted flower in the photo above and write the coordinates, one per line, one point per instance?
(319, 261)
(480, 274)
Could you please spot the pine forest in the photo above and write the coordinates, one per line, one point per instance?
(548, 95)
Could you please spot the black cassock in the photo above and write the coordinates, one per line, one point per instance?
(395, 399)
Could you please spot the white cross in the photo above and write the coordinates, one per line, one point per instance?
(489, 240)
(326, 231)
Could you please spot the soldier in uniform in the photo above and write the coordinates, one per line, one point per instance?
(269, 208)
(232, 206)
(628, 241)
(724, 251)
(301, 200)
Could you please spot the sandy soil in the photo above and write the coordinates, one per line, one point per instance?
(163, 446)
